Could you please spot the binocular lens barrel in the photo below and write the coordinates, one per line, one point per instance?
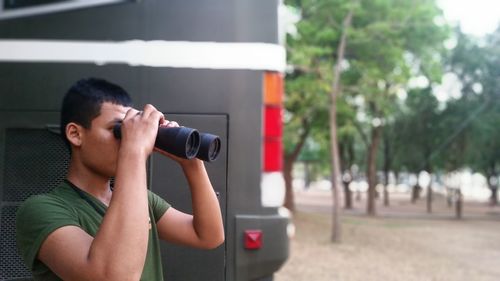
(180, 141)
(209, 147)
(184, 142)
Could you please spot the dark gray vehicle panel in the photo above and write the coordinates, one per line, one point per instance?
(218, 21)
(226, 102)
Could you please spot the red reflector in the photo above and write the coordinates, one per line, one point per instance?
(253, 239)
(273, 124)
(273, 154)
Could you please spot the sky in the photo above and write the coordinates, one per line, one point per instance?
(476, 17)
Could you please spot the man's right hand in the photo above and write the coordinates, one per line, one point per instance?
(139, 129)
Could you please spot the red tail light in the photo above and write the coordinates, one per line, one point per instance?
(273, 121)
(272, 185)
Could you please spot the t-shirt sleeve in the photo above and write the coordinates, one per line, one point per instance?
(158, 205)
(36, 218)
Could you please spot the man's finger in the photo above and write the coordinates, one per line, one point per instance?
(131, 113)
(172, 124)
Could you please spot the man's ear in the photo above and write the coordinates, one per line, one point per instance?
(74, 133)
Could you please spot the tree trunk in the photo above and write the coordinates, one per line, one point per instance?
(429, 197)
(334, 147)
(494, 196)
(459, 204)
(386, 192)
(290, 161)
(287, 174)
(347, 194)
(372, 170)
(491, 178)
(335, 172)
(430, 192)
(387, 167)
(415, 193)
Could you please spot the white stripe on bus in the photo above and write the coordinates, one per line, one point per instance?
(176, 54)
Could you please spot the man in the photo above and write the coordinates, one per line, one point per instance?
(85, 229)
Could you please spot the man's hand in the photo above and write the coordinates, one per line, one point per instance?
(139, 129)
(182, 161)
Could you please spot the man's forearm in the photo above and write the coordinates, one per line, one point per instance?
(207, 217)
(121, 242)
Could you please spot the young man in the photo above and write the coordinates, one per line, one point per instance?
(85, 229)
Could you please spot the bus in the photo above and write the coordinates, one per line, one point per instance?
(216, 66)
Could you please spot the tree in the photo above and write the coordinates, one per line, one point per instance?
(304, 113)
(369, 49)
(394, 143)
(336, 176)
(478, 68)
(348, 148)
(410, 43)
(423, 135)
(320, 46)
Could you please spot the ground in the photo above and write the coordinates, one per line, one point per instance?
(402, 242)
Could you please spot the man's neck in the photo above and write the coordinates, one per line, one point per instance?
(97, 186)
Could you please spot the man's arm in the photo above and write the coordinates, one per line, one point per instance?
(204, 229)
(118, 251)
(119, 248)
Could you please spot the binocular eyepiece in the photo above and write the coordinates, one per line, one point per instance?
(184, 142)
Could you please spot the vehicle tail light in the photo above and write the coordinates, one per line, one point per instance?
(272, 185)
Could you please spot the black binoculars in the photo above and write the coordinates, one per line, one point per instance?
(184, 142)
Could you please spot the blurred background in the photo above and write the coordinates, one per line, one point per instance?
(397, 103)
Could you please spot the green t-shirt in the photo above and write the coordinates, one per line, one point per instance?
(40, 215)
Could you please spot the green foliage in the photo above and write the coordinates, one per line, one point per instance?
(477, 112)
(420, 132)
(389, 42)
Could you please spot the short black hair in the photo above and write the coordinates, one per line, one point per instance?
(82, 102)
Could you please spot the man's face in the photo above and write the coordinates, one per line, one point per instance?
(99, 149)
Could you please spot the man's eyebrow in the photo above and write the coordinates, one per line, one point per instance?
(114, 121)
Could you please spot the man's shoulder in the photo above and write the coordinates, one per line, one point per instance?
(43, 198)
(37, 217)
(38, 200)
(39, 203)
